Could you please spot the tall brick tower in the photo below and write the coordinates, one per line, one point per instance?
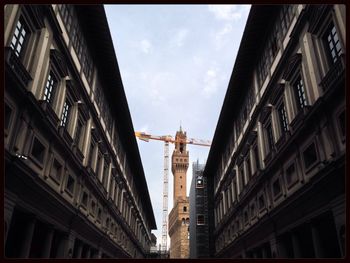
(179, 215)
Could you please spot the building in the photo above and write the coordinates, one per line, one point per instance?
(179, 215)
(276, 175)
(74, 181)
(199, 230)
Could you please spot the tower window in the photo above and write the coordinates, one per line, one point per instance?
(181, 186)
(200, 220)
(181, 147)
(185, 209)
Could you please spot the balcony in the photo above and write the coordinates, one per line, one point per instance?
(14, 64)
(335, 74)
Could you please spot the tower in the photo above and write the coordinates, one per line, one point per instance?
(179, 166)
(179, 215)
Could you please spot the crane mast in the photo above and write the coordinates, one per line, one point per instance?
(165, 198)
(167, 139)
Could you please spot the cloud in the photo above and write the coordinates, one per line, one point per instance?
(179, 38)
(220, 37)
(145, 46)
(210, 83)
(228, 12)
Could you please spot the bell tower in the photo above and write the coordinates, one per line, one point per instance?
(179, 217)
(179, 166)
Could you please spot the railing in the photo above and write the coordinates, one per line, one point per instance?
(14, 63)
(335, 73)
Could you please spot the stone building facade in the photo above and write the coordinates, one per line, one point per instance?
(276, 174)
(199, 230)
(179, 216)
(74, 182)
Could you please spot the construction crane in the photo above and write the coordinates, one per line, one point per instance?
(167, 139)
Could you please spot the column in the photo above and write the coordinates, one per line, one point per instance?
(62, 244)
(316, 242)
(338, 210)
(79, 250)
(273, 245)
(71, 238)
(9, 205)
(88, 252)
(263, 251)
(27, 237)
(296, 246)
(99, 253)
(48, 242)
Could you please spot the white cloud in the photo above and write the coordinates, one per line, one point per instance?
(179, 38)
(228, 12)
(210, 83)
(220, 37)
(145, 46)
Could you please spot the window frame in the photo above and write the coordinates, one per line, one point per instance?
(312, 165)
(28, 32)
(300, 97)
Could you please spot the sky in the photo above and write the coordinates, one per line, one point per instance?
(175, 63)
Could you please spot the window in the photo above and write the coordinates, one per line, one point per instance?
(246, 219)
(92, 207)
(50, 88)
(65, 113)
(249, 168)
(199, 181)
(342, 123)
(70, 184)
(282, 117)
(183, 221)
(105, 173)
(56, 170)
(291, 175)
(38, 151)
(286, 16)
(200, 220)
(252, 210)
(99, 157)
(276, 188)
(91, 152)
(269, 136)
(99, 214)
(235, 191)
(256, 156)
(8, 113)
(310, 156)
(20, 37)
(241, 173)
(299, 92)
(78, 132)
(185, 209)
(181, 186)
(332, 43)
(84, 199)
(261, 202)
